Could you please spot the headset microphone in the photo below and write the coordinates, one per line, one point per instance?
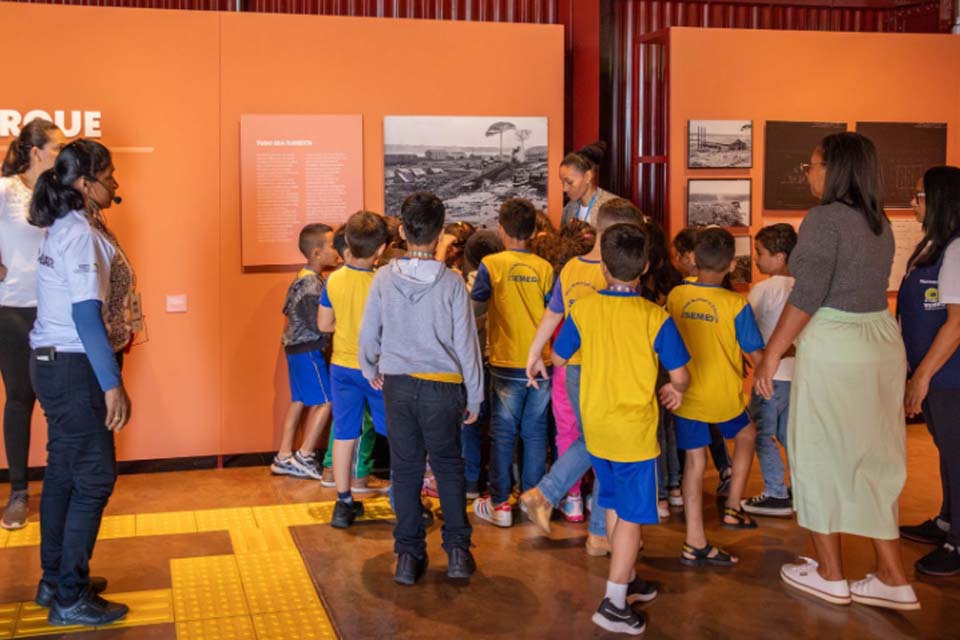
(117, 199)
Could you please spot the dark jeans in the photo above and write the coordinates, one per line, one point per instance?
(81, 470)
(942, 411)
(425, 417)
(15, 325)
(516, 409)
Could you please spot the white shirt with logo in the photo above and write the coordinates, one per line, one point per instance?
(950, 274)
(768, 298)
(19, 245)
(74, 266)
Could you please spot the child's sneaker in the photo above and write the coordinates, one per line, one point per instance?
(572, 508)
(641, 591)
(287, 467)
(501, 515)
(309, 465)
(369, 484)
(429, 488)
(764, 505)
(618, 620)
(675, 499)
(663, 509)
(326, 479)
(344, 513)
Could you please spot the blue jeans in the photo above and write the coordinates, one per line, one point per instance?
(771, 418)
(668, 464)
(516, 409)
(574, 462)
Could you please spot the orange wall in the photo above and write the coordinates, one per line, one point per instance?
(803, 76)
(213, 380)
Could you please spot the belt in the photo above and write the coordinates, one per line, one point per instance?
(50, 354)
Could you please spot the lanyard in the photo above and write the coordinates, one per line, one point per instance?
(589, 206)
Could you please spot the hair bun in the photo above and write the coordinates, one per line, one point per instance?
(594, 152)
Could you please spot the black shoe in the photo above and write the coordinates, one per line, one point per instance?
(89, 611)
(942, 561)
(344, 513)
(427, 514)
(764, 505)
(460, 563)
(46, 591)
(617, 620)
(409, 569)
(641, 591)
(926, 532)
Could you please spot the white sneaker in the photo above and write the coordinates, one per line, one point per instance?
(663, 509)
(871, 591)
(804, 576)
(675, 500)
(501, 515)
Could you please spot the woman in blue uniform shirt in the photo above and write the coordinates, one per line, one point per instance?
(76, 375)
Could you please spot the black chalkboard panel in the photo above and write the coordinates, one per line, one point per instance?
(787, 144)
(905, 150)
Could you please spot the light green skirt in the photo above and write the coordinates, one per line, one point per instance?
(846, 434)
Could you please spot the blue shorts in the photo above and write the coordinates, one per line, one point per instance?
(629, 488)
(694, 434)
(351, 392)
(309, 380)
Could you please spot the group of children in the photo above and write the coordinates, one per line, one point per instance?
(648, 359)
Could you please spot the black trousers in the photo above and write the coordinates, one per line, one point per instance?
(942, 411)
(15, 325)
(81, 470)
(425, 417)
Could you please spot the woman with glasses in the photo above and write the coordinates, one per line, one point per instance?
(929, 309)
(82, 281)
(30, 154)
(846, 435)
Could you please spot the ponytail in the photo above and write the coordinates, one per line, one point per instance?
(35, 133)
(589, 158)
(54, 195)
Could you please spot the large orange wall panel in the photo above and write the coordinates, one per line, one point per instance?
(296, 64)
(154, 77)
(816, 76)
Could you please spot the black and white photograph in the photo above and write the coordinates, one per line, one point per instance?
(786, 146)
(720, 202)
(743, 274)
(720, 144)
(472, 163)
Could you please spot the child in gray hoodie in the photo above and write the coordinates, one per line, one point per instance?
(418, 342)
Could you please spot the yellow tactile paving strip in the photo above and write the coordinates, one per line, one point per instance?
(261, 592)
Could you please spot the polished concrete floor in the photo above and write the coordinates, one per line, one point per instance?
(527, 586)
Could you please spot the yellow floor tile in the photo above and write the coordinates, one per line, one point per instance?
(112, 527)
(146, 607)
(8, 619)
(377, 509)
(262, 539)
(302, 624)
(276, 581)
(29, 536)
(4, 534)
(225, 519)
(169, 523)
(33, 622)
(237, 628)
(207, 587)
(287, 515)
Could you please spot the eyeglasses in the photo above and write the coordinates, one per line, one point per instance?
(805, 167)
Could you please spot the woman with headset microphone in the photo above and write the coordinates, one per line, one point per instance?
(84, 282)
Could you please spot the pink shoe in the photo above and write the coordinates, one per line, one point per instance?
(572, 508)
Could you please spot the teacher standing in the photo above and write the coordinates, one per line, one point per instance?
(846, 432)
(75, 368)
(580, 176)
(30, 154)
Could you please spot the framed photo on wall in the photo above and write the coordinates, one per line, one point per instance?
(744, 257)
(719, 144)
(723, 202)
(786, 146)
(905, 150)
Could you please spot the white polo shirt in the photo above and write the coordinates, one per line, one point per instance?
(74, 266)
(19, 245)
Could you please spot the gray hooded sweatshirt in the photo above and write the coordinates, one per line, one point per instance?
(418, 319)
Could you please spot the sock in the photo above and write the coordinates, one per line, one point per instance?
(617, 594)
(943, 524)
(345, 496)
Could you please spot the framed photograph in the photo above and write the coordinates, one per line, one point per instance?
(472, 163)
(786, 146)
(744, 256)
(905, 151)
(718, 202)
(719, 144)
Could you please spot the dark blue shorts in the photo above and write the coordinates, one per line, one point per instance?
(629, 488)
(694, 434)
(309, 380)
(351, 392)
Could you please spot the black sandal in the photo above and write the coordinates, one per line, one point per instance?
(702, 557)
(743, 520)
